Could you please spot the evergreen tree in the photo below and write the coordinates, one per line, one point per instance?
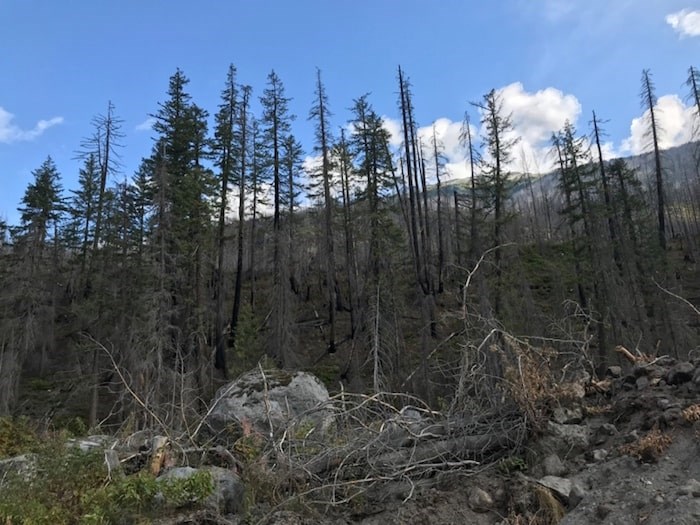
(224, 149)
(41, 208)
(242, 137)
(82, 208)
(648, 97)
(321, 115)
(276, 125)
(496, 179)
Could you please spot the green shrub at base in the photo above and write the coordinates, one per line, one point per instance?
(70, 486)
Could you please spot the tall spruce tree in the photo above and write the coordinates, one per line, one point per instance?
(496, 179)
(225, 157)
(276, 125)
(321, 115)
(649, 101)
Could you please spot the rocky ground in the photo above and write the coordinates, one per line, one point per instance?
(627, 454)
(623, 450)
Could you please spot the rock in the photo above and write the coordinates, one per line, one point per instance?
(23, 465)
(665, 361)
(642, 382)
(692, 487)
(560, 486)
(613, 371)
(602, 432)
(553, 466)
(632, 436)
(567, 416)
(480, 500)
(572, 436)
(604, 509)
(92, 442)
(229, 491)
(138, 441)
(599, 455)
(672, 416)
(696, 376)
(665, 404)
(278, 398)
(577, 494)
(570, 492)
(178, 473)
(680, 373)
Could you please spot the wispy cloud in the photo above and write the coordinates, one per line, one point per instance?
(685, 22)
(10, 132)
(146, 125)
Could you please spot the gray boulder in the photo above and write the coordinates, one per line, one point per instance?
(271, 401)
(569, 436)
(570, 492)
(553, 466)
(567, 416)
(24, 465)
(680, 373)
(480, 500)
(91, 443)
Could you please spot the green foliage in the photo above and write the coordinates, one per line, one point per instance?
(42, 201)
(72, 486)
(16, 437)
(327, 373)
(40, 384)
(511, 464)
(73, 426)
(249, 344)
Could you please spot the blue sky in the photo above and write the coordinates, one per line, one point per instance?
(62, 61)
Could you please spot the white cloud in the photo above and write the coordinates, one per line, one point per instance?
(535, 116)
(10, 132)
(675, 123)
(685, 22)
(448, 135)
(146, 125)
(394, 128)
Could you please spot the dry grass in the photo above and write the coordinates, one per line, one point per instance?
(547, 510)
(529, 379)
(649, 448)
(550, 511)
(598, 410)
(692, 413)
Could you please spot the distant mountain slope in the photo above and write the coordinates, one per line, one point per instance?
(678, 163)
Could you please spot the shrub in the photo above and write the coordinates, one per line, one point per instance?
(648, 448)
(692, 413)
(72, 486)
(17, 437)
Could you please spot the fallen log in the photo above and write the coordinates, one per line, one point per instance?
(376, 455)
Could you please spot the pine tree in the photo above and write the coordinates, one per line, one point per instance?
(648, 97)
(41, 209)
(496, 179)
(321, 115)
(83, 209)
(276, 125)
(224, 150)
(243, 176)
